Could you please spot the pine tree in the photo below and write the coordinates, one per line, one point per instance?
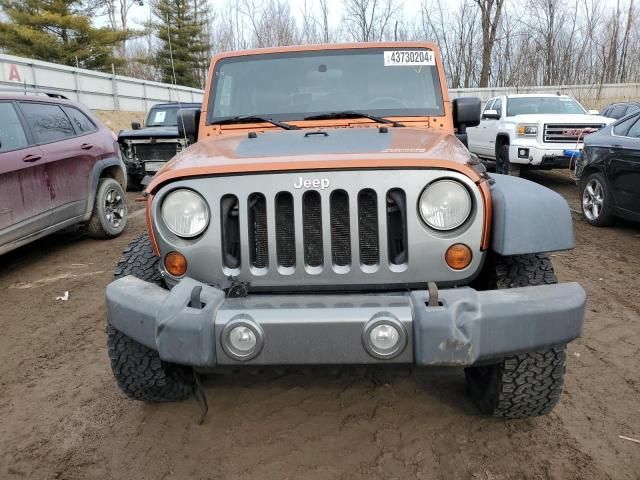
(182, 31)
(58, 31)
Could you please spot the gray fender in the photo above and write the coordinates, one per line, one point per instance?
(528, 218)
(94, 177)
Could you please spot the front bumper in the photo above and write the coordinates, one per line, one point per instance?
(543, 156)
(467, 327)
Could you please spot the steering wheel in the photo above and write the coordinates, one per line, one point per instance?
(397, 101)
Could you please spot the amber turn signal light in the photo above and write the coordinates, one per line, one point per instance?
(458, 256)
(175, 264)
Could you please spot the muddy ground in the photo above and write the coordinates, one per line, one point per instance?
(62, 416)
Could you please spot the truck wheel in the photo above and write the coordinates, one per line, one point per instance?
(503, 164)
(527, 384)
(138, 369)
(109, 215)
(596, 200)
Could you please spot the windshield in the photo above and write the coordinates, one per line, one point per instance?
(163, 117)
(294, 85)
(534, 105)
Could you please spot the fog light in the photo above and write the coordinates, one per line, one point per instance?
(523, 152)
(242, 338)
(384, 337)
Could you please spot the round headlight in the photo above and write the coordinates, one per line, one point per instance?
(185, 213)
(445, 205)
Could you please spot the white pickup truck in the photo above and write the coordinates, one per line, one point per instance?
(532, 131)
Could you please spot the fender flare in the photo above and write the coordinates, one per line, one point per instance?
(94, 177)
(528, 218)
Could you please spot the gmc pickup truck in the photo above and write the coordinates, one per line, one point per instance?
(536, 131)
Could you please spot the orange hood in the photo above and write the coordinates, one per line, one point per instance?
(326, 149)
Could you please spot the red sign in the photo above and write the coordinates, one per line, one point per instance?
(14, 74)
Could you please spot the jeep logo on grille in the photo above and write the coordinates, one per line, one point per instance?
(320, 183)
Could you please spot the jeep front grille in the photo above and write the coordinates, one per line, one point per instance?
(568, 133)
(314, 226)
(362, 230)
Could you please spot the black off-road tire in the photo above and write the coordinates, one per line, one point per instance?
(109, 216)
(138, 369)
(503, 163)
(528, 384)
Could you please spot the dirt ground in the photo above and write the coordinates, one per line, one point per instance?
(62, 416)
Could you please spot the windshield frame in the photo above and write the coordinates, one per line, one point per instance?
(509, 99)
(441, 97)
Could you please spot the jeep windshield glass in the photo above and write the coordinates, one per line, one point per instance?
(294, 85)
(542, 105)
(163, 117)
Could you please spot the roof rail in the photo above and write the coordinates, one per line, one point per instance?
(31, 90)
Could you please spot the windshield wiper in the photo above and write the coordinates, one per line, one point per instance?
(254, 118)
(353, 114)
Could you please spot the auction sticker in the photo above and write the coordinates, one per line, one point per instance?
(159, 116)
(408, 58)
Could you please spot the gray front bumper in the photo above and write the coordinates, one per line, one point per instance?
(469, 326)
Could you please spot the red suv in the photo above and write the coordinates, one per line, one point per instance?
(59, 166)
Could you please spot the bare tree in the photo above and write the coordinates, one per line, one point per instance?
(483, 42)
(369, 20)
(271, 22)
(490, 16)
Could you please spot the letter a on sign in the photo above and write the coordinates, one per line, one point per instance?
(14, 74)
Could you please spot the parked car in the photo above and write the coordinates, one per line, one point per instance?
(327, 214)
(532, 131)
(146, 149)
(59, 166)
(619, 110)
(609, 173)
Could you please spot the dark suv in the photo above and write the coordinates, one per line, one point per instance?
(147, 149)
(59, 166)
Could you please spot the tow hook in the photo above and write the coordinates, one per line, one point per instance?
(433, 294)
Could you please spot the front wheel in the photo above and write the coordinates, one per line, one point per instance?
(109, 216)
(520, 386)
(503, 164)
(528, 384)
(596, 200)
(138, 369)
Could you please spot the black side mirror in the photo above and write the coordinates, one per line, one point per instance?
(135, 125)
(188, 124)
(466, 113)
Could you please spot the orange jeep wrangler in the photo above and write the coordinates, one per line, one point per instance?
(329, 213)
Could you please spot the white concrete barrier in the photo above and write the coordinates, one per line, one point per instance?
(99, 91)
